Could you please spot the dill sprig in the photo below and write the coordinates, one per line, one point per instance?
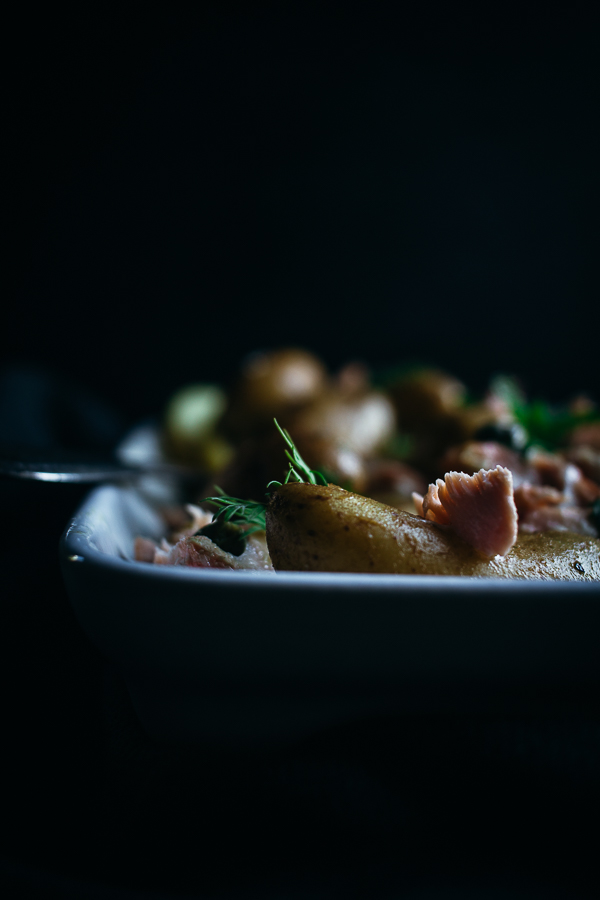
(249, 513)
(299, 470)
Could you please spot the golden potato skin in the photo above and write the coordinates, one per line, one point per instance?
(327, 529)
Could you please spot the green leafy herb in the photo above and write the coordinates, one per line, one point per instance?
(236, 519)
(546, 426)
(298, 471)
(249, 513)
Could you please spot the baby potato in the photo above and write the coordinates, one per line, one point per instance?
(425, 395)
(327, 529)
(271, 384)
(361, 422)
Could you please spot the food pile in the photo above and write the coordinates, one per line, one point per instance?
(403, 473)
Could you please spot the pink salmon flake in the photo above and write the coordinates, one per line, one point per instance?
(479, 508)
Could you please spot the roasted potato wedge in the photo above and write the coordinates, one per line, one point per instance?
(327, 529)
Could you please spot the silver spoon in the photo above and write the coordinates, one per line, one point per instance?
(78, 472)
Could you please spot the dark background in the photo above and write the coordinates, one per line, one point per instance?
(183, 188)
(372, 183)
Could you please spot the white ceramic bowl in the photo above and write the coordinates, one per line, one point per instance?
(260, 659)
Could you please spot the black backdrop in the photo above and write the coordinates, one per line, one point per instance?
(188, 187)
(185, 187)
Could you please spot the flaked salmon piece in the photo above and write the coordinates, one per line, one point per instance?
(198, 519)
(147, 550)
(144, 550)
(531, 496)
(201, 553)
(544, 508)
(558, 518)
(552, 469)
(479, 508)
(587, 459)
(418, 501)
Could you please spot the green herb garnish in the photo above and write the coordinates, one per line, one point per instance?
(236, 519)
(298, 471)
(545, 425)
(249, 513)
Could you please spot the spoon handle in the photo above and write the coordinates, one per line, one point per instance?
(86, 472)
